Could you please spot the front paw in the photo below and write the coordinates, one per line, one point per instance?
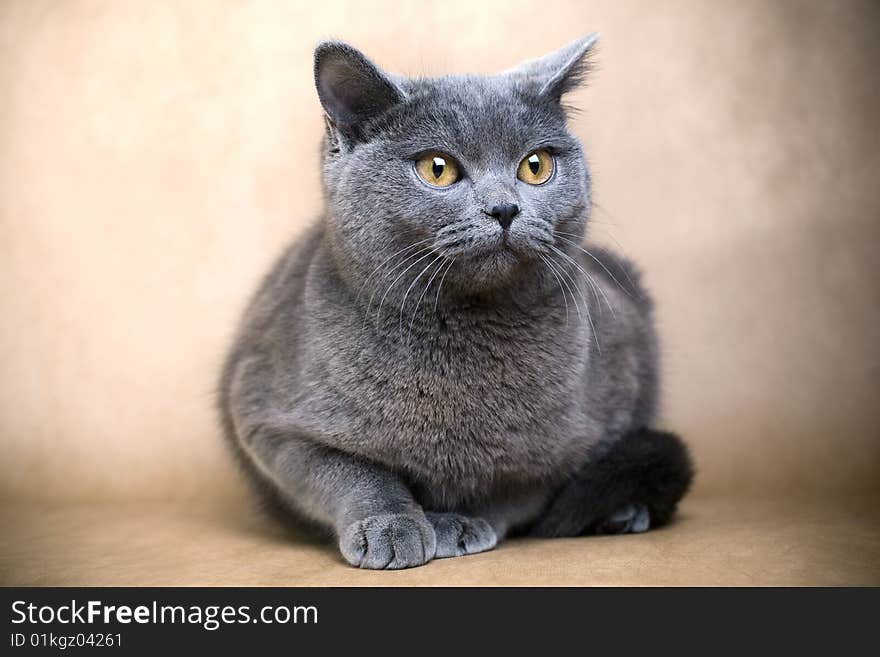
(388, 541)
(458, 535)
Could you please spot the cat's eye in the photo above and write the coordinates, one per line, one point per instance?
(536, 168)
(438, 169)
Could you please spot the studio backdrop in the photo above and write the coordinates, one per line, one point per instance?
(155, 157)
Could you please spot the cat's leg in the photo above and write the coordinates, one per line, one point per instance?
(484, 525)
(373, 514)
(628, 485)
(459, 534)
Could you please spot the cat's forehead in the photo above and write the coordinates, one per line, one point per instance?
(476, 91)
(477, 114)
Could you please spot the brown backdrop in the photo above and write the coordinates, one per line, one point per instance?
(155, 156)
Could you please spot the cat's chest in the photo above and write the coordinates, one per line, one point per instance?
(474, 366)
(473, 399)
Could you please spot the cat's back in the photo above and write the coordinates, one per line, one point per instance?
(282, 288)
(268, 322)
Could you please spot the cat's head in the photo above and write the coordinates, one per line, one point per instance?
(479, 170)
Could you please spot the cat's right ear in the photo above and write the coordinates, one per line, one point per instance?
(352, 89)
(559, 72)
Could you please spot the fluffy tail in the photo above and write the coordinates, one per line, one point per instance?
(629, 484)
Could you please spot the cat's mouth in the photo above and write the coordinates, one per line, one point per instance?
(516, 245)
(504, 256)
(502, 248)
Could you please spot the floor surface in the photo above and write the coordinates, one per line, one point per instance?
(715, 541)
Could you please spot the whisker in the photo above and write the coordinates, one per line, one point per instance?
(411, 285)
(559, 283)
(389, 273)
(394, 282)
(607, 234)
(422, 296)
(601, 264)
(601, 208)
(557, 268)
(583, 299)
(386, 261)
(590, 280)
(440, 286)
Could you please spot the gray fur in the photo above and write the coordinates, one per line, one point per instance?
(452, 417)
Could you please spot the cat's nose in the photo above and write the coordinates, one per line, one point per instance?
(505, 213)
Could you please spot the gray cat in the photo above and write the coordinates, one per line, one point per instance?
(439, 362)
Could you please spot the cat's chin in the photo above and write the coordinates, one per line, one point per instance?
(492, 268)
(504, 249)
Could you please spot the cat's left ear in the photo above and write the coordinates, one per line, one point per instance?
(560, 71)
(352, 89)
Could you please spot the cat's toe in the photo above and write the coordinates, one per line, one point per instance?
(632, 519)
(458, 535)
(388, 541)
(642, 520)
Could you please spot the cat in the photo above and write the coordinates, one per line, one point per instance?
(440, 362)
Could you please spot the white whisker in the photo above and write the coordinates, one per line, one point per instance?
(440, 286)
(388, 273)
(593, 285)
(584, 301)
(559, 283)
(411, 285)
(558, 268)
(394, 282)
(601, 264)
(422, 296)
(386, 261)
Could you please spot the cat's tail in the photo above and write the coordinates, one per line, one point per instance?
(628, 485)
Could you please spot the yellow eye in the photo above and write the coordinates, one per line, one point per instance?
(536, 168)
(437, 169)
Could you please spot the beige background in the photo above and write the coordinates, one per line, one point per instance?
(155, 157)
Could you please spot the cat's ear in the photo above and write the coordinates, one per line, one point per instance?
(561, 71)
(352, 89)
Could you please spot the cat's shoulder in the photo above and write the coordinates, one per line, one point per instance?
(617, 270)
(282, 285)
(293, 263)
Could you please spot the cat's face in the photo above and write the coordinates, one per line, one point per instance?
(471, 174)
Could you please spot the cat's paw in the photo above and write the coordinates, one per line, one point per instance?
(388, 541)
(458, 535)
(631, 519)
